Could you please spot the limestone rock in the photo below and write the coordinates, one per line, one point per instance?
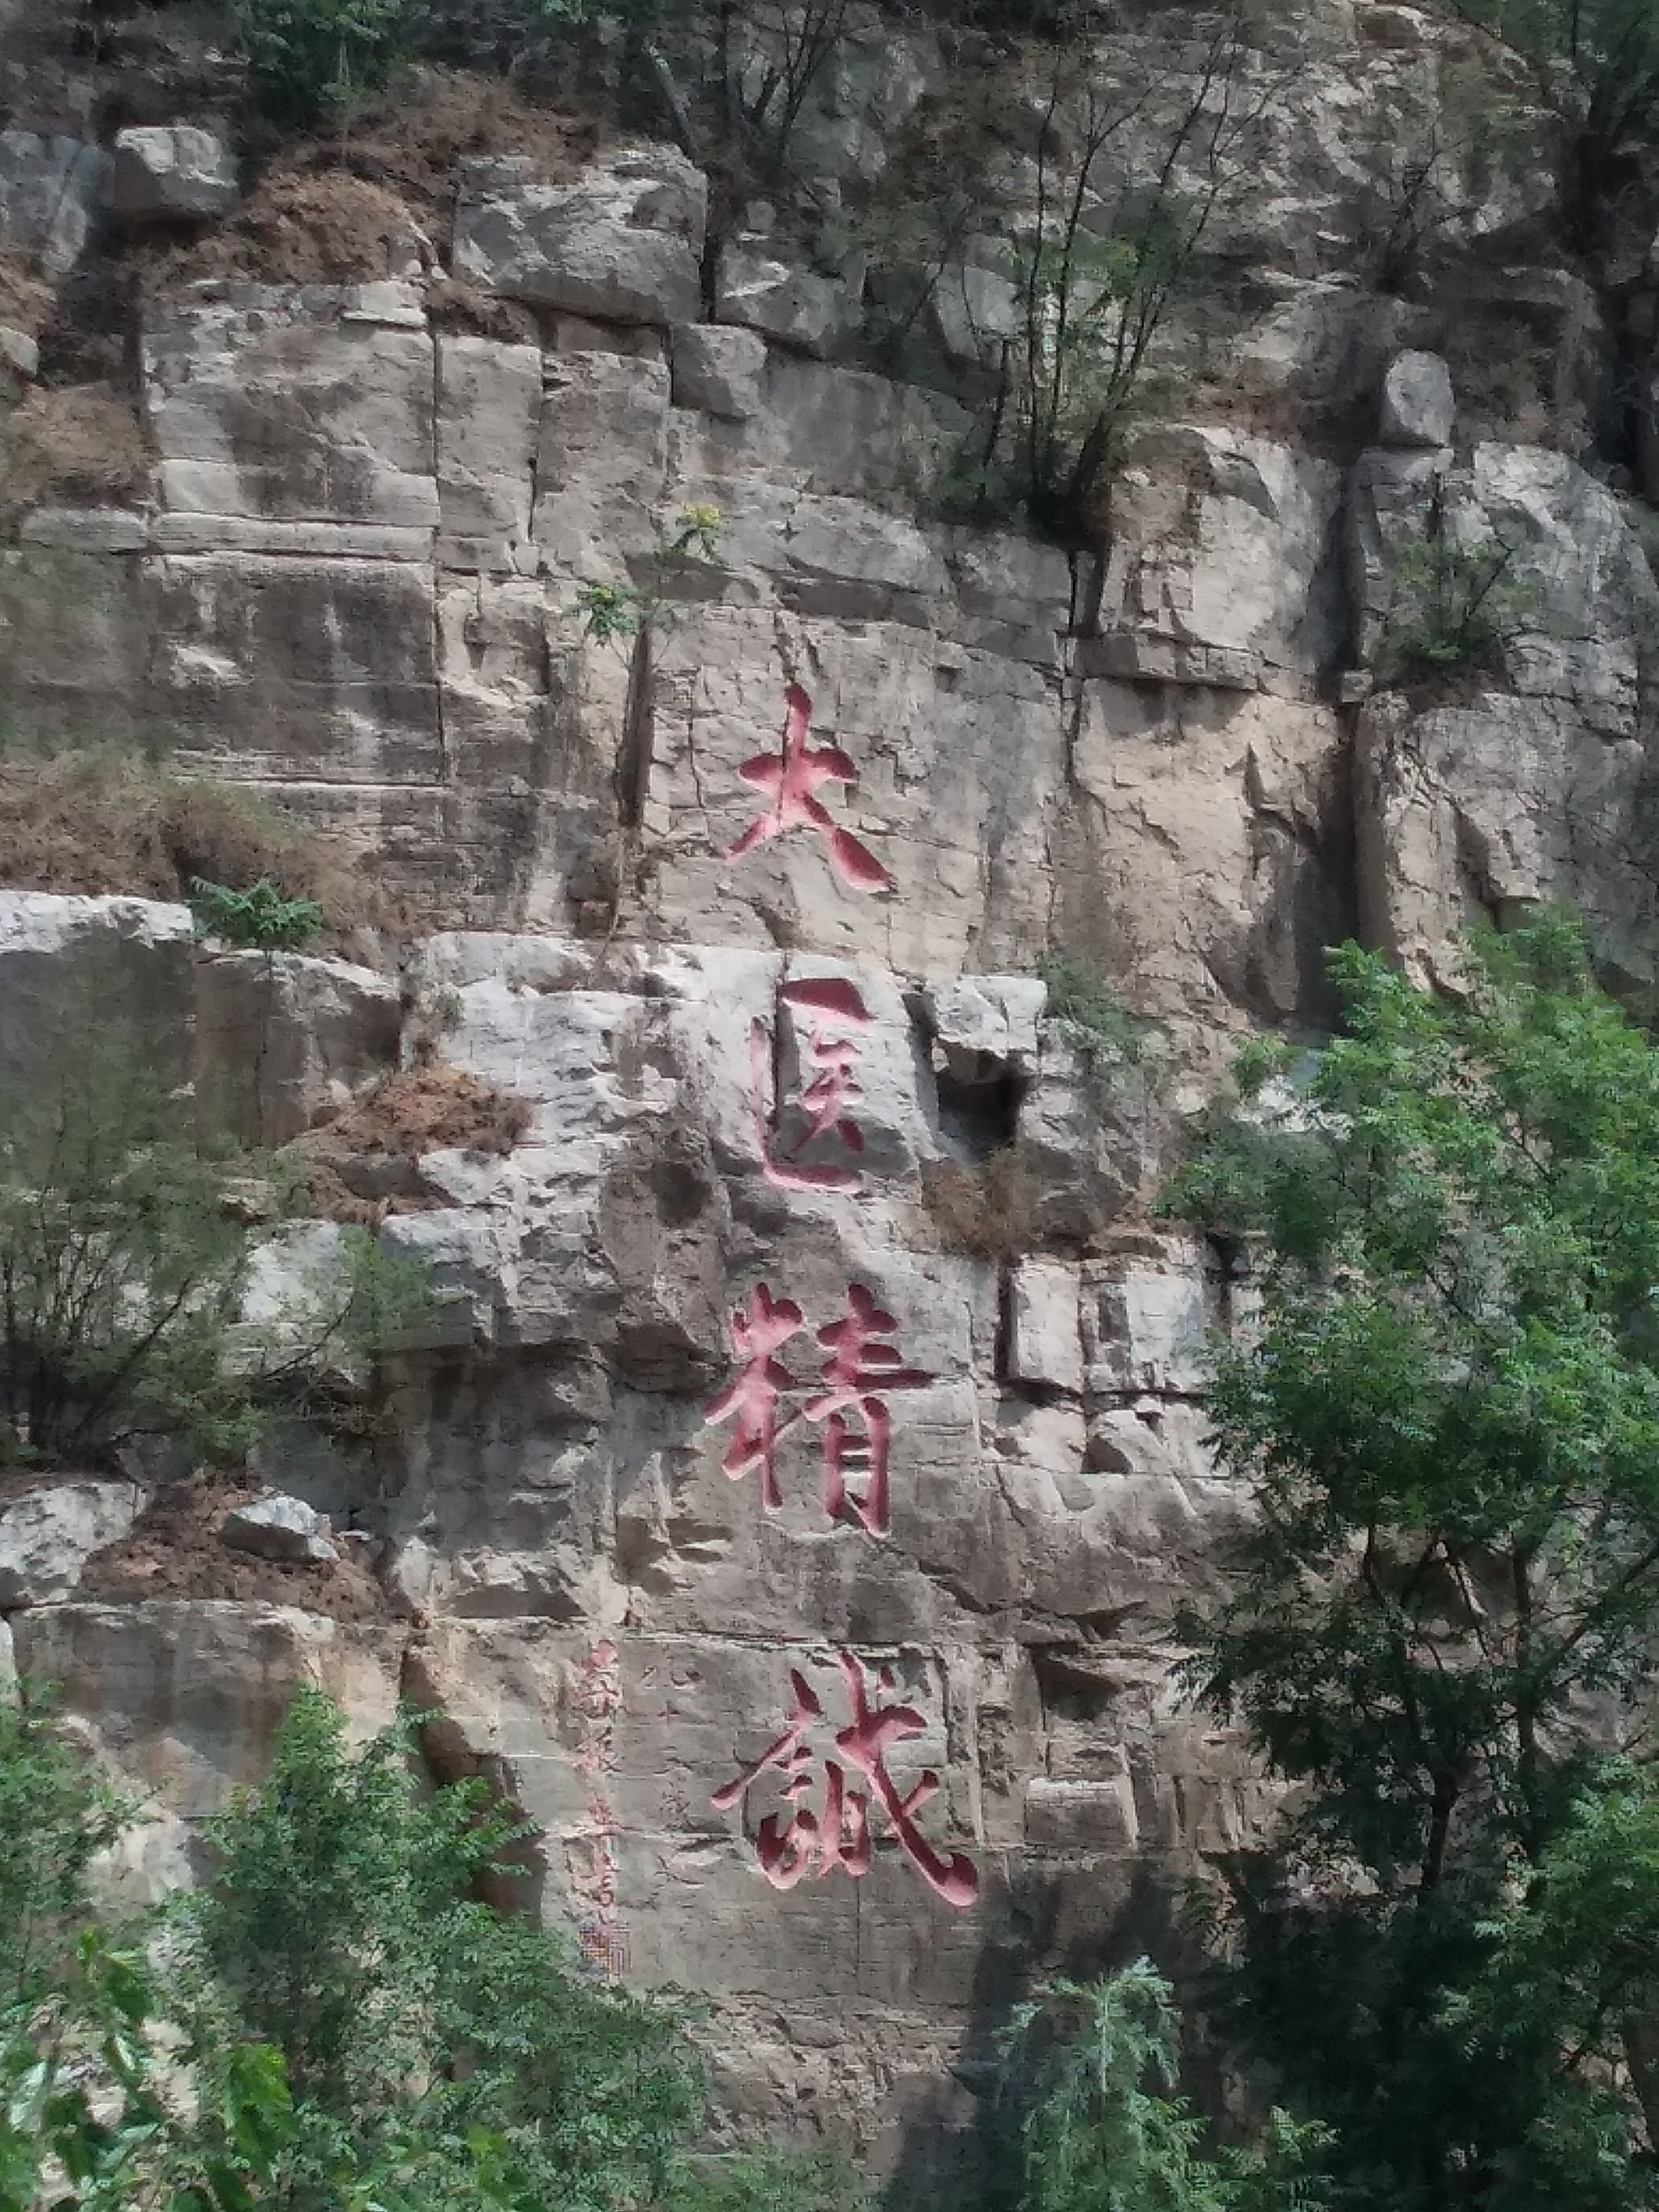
(602, 461)
(280, 1038)
(278, 404)
(48, 1534)
(719, 370)
(1418, 407)
(795, 307)
(19, 359)
(490, 403)
(162, 175)
(73, 969)
(974, 311)
(1221, 571)
(1045, 1344)
(280, 1527)
(50, 190)
(623, 242)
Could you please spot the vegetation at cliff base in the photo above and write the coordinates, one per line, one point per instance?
(334, 2022)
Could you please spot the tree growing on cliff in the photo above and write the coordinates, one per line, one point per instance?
(124, 1266)
(1442, 1621)
(336, 2023)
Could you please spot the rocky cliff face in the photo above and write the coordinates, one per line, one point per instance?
(788, 1506)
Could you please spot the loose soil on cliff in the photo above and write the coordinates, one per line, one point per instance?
(358, 205)
(175, 1551)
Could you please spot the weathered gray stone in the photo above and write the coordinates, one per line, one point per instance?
(284, 403)
(282, 1038)
(1046, 1344)
(602, 461)
(624, 243)
(1221, 571)
(19, 353)
(1418, 407)
(489, 401)
(76, 970)
(717, 370)
(48, 1534)
(280, 1527)
(975, 311)
(50, 190)
(793, 306)
(162, 175)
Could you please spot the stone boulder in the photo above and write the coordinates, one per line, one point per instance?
(48, 1534)
(1222, 571)
(280, 1527)
(272, 406)
(1418, 408)
(281, 1038)
(173, 173)
(809, 313)
(623, 242)
(72, 970)
(973, 311)
(717, 370)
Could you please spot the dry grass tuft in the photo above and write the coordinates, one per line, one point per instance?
(989, 1211)
(428, 1109)
(26, 298)
(105, 821)
(73, 445)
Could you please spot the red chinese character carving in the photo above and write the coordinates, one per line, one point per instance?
(834, 1015)
(791, 777)
(751, 1397)
(860, 1428)
(789, 1845)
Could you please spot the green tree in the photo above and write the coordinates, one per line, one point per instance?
(415, 2020)
(120, 1272)
(1443, 1615)
(85, 2096)
(309, 58)
(1093, 2064)
(336, 2024)
(123, 1270)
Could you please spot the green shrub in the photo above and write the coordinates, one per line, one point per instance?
(1092, 2065)
(1451, 605)
(122, 1274)
(1090, 1016)
(259, 917)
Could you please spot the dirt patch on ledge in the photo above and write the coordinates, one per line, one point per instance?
(352, 208)
(107, 822)
(428, 1109)
(76, 445)
(300, 228)
(175, 1551)
(365, 1163)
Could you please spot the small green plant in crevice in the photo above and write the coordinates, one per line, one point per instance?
(609, 612)
(1452, 605)
(1091, 1017)
(259, 919)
